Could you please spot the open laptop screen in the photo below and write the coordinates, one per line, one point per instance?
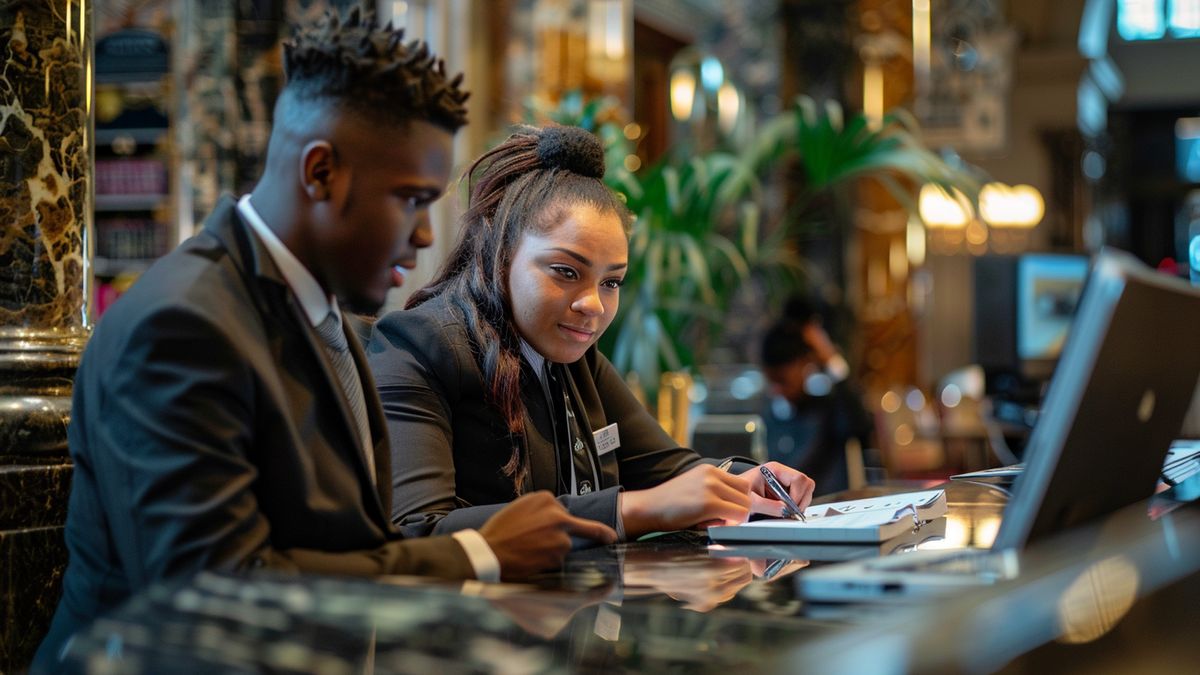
(1115, 403)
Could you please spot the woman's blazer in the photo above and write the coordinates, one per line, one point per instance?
(450, 443)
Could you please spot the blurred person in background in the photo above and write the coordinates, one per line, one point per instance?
(814, 409)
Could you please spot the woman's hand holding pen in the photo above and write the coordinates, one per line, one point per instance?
(698, 496)
(799, 486)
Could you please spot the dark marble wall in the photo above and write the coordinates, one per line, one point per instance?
(33, 505)
(45, 161)
(230, 73)
(45, 208)
(32, 561)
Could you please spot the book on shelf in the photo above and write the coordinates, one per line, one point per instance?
(870, 520)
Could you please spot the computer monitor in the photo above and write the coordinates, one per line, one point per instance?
(1023, 308)
(1048, 289)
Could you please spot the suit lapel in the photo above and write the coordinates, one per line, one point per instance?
(606, 471)
(278, 303)
(539, 434)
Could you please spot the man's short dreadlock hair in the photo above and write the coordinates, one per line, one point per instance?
(367, 68)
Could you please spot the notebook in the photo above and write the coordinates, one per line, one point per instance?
(931, 531)
(859, 521)
(1115, 403)
(1183, 461)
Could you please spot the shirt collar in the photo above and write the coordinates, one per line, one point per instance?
(317, 304)
(534, 358)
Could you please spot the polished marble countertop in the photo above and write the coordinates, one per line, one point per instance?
(672, 603)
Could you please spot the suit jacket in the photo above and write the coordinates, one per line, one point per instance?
(450, 442)
(812, 437)
(209, 431)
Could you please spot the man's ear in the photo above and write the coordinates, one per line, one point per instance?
(317, 164)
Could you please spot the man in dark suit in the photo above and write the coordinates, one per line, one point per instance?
(816, 409)
(224, 417)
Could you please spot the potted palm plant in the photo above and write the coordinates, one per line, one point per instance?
(706, 224)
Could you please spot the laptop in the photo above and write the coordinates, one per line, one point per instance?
(1181, 463)
(1114, 405)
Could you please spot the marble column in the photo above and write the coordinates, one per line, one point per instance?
(45, 211)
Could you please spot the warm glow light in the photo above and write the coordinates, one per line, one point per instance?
(890, 402)
(914, 241)
(1002, 205)
(921, 33)
(728, 106)
(614, 38)
(976, 233)
(605, 34)
(683, 94)
(873, 93)
(1097, 600)
(903, 435)
(986, 528)
(943, 209)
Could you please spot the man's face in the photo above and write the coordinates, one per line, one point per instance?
(564, 285)
(377, 215)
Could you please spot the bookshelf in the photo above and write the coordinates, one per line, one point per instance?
(134, 216)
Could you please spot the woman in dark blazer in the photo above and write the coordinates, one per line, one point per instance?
(490, 379)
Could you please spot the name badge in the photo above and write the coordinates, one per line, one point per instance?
(607, 439)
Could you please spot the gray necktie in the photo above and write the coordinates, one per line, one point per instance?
(331, 334)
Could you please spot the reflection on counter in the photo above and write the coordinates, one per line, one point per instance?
(1120, 591)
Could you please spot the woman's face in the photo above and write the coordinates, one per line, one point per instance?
(564, 285)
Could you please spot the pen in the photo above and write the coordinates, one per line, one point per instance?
(724, 466)
(792, 509)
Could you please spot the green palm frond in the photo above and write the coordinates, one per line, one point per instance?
(704, 228)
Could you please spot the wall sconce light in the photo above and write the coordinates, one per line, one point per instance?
(707, 106)
(873, 93)
(712, 73)
(729, 105)
(683, 94)
(697, 84)
(1019, 206)
(914, 242)
(942, 209)
(608, 26)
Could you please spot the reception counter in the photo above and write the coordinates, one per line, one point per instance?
(1115, 596)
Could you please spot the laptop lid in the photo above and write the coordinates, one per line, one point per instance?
(1115, 403)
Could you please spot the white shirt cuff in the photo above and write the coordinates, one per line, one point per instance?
(483, 560)
(837, 368)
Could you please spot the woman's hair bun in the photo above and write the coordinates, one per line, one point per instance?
(573, 149)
